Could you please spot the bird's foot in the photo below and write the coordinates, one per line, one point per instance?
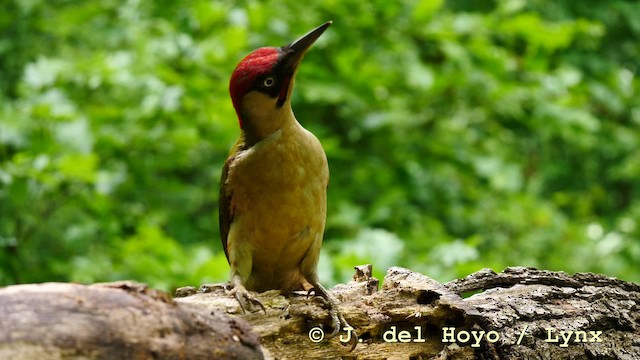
(337, 319)
(246, 300)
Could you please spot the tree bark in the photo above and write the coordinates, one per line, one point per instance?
(521, 313)
(123, 320)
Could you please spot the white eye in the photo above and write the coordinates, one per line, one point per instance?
(269, 82)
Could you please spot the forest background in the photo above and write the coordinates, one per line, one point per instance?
(460, 134)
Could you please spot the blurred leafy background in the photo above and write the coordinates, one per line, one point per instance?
(460, 134)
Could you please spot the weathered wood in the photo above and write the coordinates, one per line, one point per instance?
(123, 320)
(602, 312)
(503, 306)
(410, 317)
(407, 300)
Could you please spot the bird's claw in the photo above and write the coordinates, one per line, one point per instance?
(338, 321)
(311, 291)
(246, 300)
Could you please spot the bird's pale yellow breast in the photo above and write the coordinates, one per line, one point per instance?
(278, 204)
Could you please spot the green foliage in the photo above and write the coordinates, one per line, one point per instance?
(459, 135)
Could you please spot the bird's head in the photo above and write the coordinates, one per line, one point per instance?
(262, 82)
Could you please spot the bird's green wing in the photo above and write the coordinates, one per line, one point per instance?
(226, 194)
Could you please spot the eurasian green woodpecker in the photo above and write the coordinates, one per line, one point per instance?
(273, 191)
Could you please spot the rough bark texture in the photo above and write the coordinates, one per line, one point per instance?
(410, 317)
(440, 324)
(123, 320)
(602, 312)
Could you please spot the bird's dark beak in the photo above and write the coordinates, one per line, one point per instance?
(296, 50)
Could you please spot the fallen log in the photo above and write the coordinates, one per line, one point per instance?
(521, 313)
(123, 320)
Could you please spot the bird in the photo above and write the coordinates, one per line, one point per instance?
(273, 186)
